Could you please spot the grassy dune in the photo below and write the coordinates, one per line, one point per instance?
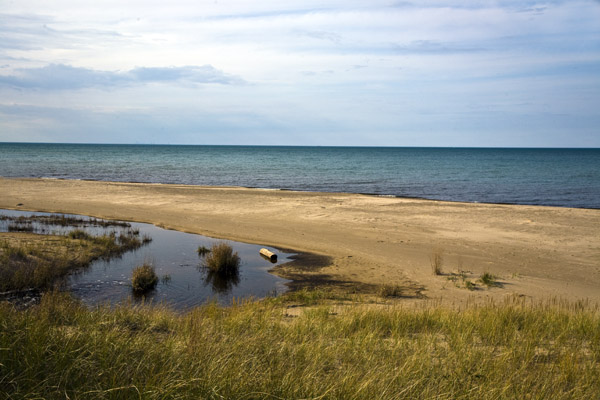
(303, 345)
(60, 349)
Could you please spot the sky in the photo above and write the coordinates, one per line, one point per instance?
(287, 72)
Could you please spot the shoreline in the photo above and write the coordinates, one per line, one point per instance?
(535, 251)
(394, 196)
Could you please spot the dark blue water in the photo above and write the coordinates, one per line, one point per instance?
(554, 177)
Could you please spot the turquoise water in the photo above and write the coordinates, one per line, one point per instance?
(555, 177)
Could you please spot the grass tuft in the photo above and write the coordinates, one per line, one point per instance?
(470, 284)
(488, 279)
(437, 260)
(222, 259)
(390, 291)
(78, 234)
(143, 278)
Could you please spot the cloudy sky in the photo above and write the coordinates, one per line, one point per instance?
(327, 72)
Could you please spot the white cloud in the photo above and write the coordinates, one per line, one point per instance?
(65, 77)
(333, 66)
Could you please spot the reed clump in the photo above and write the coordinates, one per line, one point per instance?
(514, 349)
(143, 278)
(222, 259)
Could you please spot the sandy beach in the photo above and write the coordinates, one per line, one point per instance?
(357, 240)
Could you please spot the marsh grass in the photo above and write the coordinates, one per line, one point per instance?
(63, 220)
(18, 227)
(222, 260)
(144, 278)
(514, 349)
(78, 234)
(38, 261)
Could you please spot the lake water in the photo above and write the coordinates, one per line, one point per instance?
(174, 254)
(552, 177)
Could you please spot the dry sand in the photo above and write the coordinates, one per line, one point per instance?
(538, 252)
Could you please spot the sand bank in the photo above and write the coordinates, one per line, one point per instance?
(535, 251)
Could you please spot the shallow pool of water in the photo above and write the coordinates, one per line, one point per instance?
(184, 283)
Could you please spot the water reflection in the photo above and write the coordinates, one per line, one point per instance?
(220, 282)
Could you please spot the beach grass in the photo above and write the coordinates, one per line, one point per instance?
(391, 291)
(304, 344)
(488, 279)
(256, 350)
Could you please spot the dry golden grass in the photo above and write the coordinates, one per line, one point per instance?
(515, 349)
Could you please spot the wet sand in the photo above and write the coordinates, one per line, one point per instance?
(368, 241)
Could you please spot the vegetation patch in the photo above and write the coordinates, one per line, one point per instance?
(489, 279)
(63, 220)
(470, 285)
(144, 278)
(391, 291)
(222, 259)
(513, 349)
(17, 227)
(31, 261)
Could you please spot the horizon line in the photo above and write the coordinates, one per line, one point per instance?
(301, 145)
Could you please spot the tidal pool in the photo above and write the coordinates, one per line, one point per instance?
(183, 282)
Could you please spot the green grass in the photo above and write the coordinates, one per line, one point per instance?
(143, 278)
(255, 350)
